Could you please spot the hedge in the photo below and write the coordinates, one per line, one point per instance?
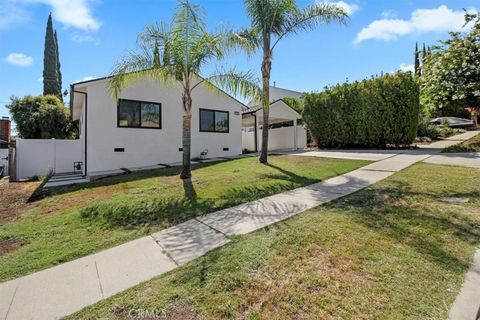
(377, 112)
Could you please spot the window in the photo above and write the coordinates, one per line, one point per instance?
(214, 121)
(139, 114)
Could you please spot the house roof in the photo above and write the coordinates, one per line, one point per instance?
(87, 82)
(276, 94)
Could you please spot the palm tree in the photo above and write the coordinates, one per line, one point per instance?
(177, 53)
(272, 21)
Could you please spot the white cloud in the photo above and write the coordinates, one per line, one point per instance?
(11, 14)
(407, 67)
(82, 37)
(19, 59)
(350, 8)
(72, 13)
(421, 21)
(389, 14)
(85, 79)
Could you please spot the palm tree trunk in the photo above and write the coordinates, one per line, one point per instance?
(186, 173)
(266, 69)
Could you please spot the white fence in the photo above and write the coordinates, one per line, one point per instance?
(278, 139)
(35, 157)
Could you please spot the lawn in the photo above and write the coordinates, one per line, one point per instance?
(396, 250)
(76, 221)
(471, 145)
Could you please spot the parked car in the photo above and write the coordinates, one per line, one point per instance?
(453, 122)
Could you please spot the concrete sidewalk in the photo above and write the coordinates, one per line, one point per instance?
(69, 287)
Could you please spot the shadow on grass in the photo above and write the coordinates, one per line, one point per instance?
(391, 212)
(122, 178)
(131, 211)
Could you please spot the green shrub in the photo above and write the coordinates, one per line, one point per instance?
(372, 113)
(436, 132)
(461, 148)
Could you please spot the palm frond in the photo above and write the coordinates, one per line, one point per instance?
(310, 18)
(136, 66)
(243, 84)
(247, 40)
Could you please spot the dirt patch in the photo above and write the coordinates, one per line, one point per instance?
(174, 312)
(14, 197)
(9, 245)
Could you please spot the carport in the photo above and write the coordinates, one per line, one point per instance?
(288, 132)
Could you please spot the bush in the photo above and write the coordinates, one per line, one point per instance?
(461, 148)
(372, 113)
(42, 117)
(436, 132)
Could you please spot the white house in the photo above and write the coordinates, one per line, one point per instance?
(144, 129)
(287, 130)
(144, 126)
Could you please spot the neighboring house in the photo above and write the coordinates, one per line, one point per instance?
(287, 130)
(144, 126)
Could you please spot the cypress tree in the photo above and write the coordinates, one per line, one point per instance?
(59, 73)
(424, 54)
(50, 74)
(417, 61)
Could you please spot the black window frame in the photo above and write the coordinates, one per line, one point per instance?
(140, 114)
(214, 120)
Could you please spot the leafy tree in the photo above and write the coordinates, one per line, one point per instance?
(272, 21)
(186, 47)
(424, 53)
(41, 117)
(451, 74)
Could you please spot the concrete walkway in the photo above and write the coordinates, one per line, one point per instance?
(69, 287)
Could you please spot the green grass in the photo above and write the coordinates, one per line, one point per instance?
(76, 221)
(396, 250)
(471, 145)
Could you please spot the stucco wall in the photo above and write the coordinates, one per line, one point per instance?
(145, 147)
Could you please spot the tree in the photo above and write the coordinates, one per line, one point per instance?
(50, 74)
(59, 72)
(272, 21)
(417, 61)
(451, 74)
(156, 55)
(186, 48)
(41, 117)
(424, 53)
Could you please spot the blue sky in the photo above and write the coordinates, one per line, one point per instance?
(93, 34)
